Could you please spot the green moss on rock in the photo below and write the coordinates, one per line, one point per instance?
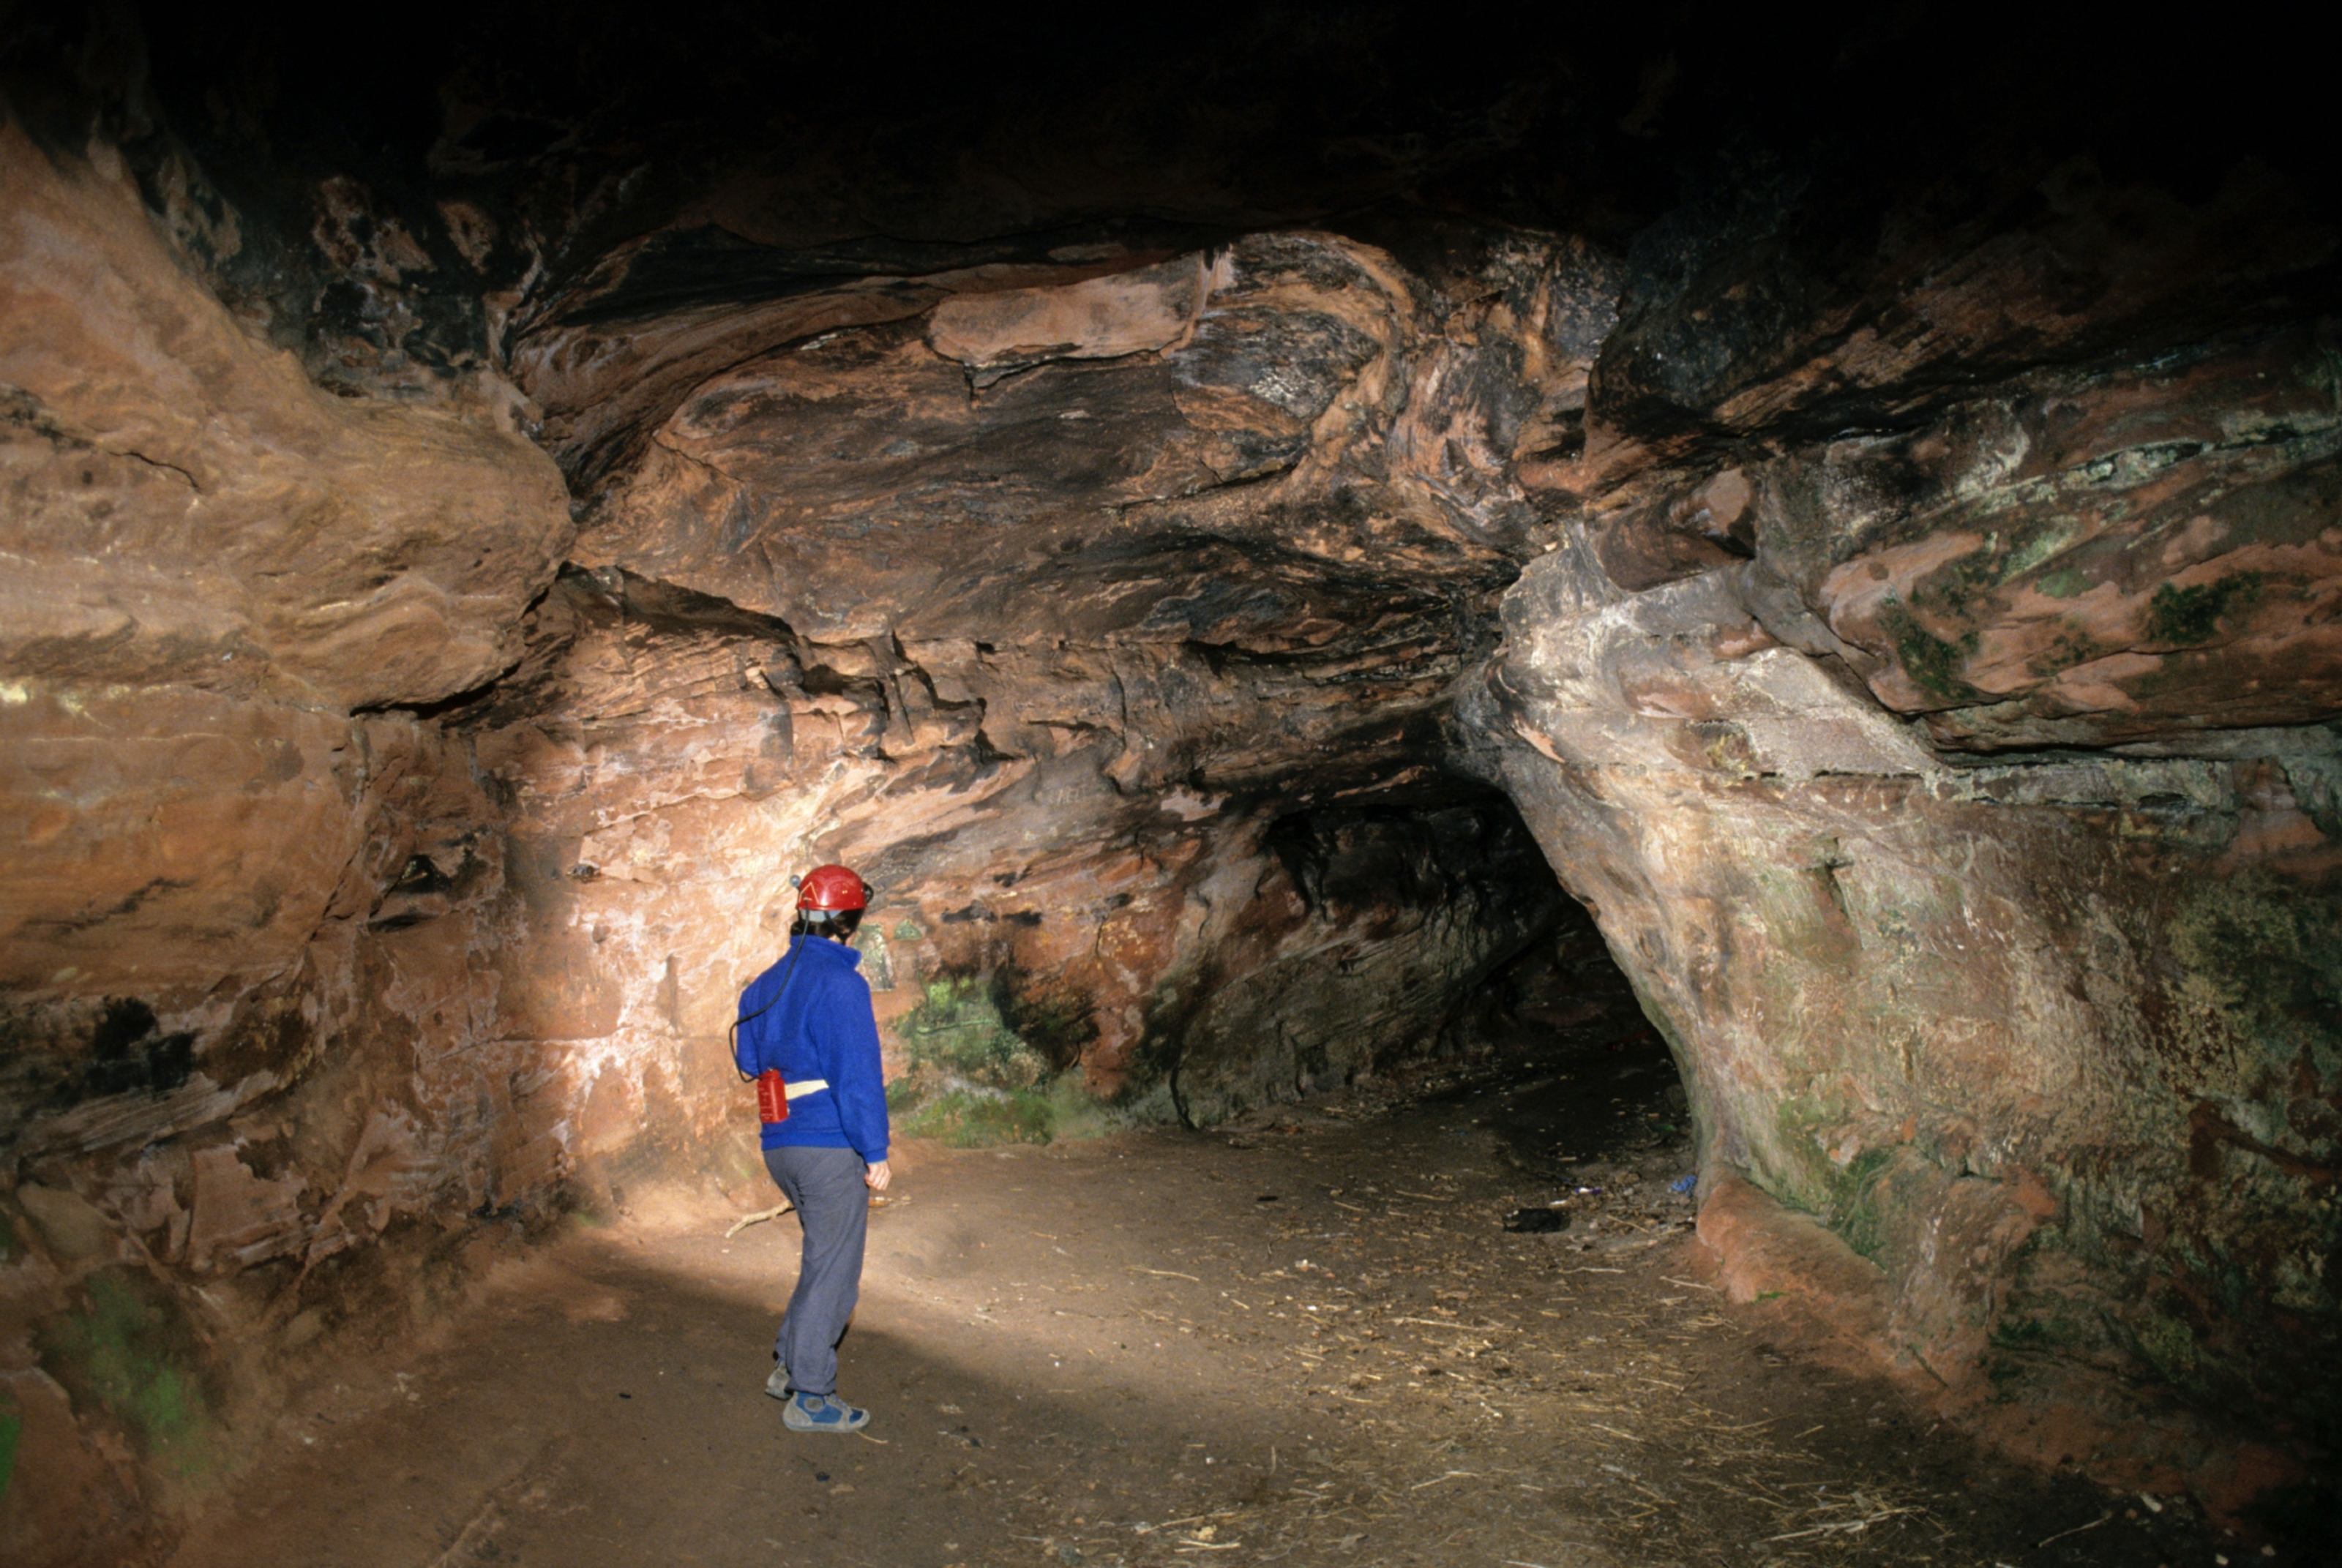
(2064, 584)
(1935, 665)
(129, 1353)
(977, 1119)
(975, 1079)
(877, 958)
(970, 1121)
(2261, 961)
(1796, 1168)
(2170, 1344)
(2073, 646)
(2183, 617)
(2038, 1332)
(1857, 1209)
(957, 1030)
(2321, 370)
(12, 1429)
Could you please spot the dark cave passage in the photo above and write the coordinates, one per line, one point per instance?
(1537, 1012)
(1649, 670)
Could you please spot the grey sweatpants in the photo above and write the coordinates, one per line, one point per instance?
(834, 1206)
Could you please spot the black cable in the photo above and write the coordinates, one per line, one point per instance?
(733, 1037)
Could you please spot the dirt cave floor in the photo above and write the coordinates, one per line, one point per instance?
(1307, 1340)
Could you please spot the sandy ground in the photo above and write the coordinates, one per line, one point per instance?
(1310, 1341)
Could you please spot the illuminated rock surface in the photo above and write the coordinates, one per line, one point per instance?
(1228, 595)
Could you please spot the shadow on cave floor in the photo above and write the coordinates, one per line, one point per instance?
(1310, 1341)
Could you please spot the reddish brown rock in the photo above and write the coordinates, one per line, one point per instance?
(1898, 602)
(2088, 562)
(240, 1219)
(187, 508)
(1925, 1000)
(65, 1500)
(168, 837)
(1146, 310)
(873, 448)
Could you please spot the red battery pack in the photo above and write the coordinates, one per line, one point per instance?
(772, 1098)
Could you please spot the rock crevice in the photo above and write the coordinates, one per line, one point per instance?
(1231, 601)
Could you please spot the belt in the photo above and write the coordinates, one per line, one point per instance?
(804, 1087)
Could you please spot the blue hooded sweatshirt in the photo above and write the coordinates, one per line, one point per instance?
(821, 1026)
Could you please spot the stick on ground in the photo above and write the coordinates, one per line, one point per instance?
(758, 1218)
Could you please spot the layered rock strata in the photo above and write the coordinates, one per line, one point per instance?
(1116, 662)
(438, 622)
(1962, 797)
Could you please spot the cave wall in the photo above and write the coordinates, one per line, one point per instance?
(453, 581)
(1961, 796)
(401, 820)
(221, 1060)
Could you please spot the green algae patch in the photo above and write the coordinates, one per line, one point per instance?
(2261, 961)
(2247, 1052)
(2064, 584)
(2046, 541)
(1935, 665)
(2183, 617)
(1799, 1172)
(1862, 1200)
(956, 1030)
(2169, 1344)
(979, 1050)
(2073, 646)
(877, 958)
(1857, 1210)
(979, 1119)
(130, 1353)
(969, 1121)
(2043, 1332)
(1055, 1022)
(2320, 370)
(12, 1431)
(1955, 587)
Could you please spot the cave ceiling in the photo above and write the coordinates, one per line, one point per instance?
(1232, 522)
(1293, 342)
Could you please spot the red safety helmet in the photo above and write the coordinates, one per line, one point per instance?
(832, 888)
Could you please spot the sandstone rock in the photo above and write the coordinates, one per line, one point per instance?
(74, 1229)
(2163, 563)
(1365, 951)
(1145, 311)
(1888, 977)
(189, 508)
(1767, 1252)
(64, 1502)
(1810, 327)
(1898, 601)
(241, 1218)
(167, 835)
(868, 446)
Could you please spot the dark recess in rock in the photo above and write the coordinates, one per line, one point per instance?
(1288, 552)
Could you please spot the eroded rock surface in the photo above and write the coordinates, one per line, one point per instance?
(456, 573)
(1961, 796)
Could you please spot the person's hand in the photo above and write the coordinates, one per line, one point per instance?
(876, 1177)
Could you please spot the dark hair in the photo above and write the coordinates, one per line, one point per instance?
(841, 923)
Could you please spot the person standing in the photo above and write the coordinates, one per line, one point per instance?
(808, 1019)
